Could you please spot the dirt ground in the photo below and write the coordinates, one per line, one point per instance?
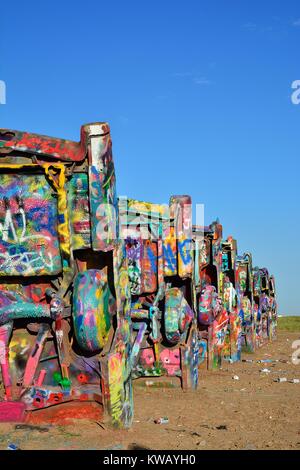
(254, 412)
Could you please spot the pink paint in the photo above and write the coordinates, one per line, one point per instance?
(12, 411)
(41, 377)
(171, 360)
(4, 338)
(147, 357)
(33, 360)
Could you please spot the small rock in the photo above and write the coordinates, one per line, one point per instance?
(235, 377)
(264, 361)
(31, 427)
(149, 383)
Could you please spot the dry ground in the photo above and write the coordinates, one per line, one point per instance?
(253, 412)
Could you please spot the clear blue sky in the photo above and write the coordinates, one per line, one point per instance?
(198, 96)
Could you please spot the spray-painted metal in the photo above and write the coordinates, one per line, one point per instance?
(244, 282)
(64, 291)
(233, 341)
(213, 318)
(160, 265)
(97, 290)
(265, 305)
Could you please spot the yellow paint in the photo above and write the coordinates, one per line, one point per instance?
(115, 386)
(16, 347)
(62, 228)
(156, 352)
(148, 207)
(170, 243)
(221, 283)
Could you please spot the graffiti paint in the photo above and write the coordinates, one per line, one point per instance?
(96, 291)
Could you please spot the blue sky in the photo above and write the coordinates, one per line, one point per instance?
(198, 96)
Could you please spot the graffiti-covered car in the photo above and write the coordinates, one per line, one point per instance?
(233, 340)
(64, 298)
(273, 309)
(213, 318)
(160, 267)
(244, 282)
(266, 305)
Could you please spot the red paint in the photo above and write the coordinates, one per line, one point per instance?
(82, 378)
(38, 402)
(66, 413)
(55, 398)
(84, 397)
(56, 148)
(59, 149)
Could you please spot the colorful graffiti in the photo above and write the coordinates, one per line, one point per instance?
(96, 291)
(29, 243)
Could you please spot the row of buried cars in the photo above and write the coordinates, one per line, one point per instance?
(96, 290)
(204, 284)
